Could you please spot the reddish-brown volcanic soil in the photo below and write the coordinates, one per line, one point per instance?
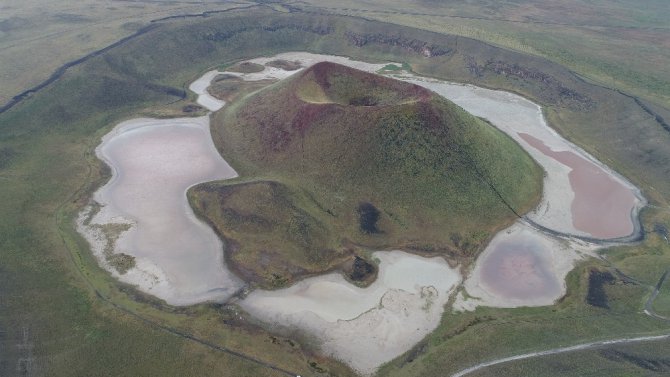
(602, 206)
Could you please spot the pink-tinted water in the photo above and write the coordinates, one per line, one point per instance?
(602, 205)
(519, 268)
(154, 164)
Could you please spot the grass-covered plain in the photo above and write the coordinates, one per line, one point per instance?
(37, 36)
(589, 37)
(643, 359)
(662, 303)
(49, 279)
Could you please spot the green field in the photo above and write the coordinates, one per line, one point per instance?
(662, 302)
(61, 315)
(37, 36)
(588, 37)
(644, 359)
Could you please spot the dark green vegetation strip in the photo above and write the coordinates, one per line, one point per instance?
(649, 305)
(61, 70)
(47, 141)
(58, 73)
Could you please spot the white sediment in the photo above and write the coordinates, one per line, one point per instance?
(205, 99)
(307, 59)
(541, 279)
(154, 161)
(513, 115)
(364, 327)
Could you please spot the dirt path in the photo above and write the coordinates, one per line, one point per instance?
(648, 309)
(649, 305)
(554, 351)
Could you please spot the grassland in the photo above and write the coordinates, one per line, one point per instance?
(468, 338)
(37, 37)
(48, 144)
(359, 162)
(589, 37)
(78, 321)
(662, 303)
(646, 359)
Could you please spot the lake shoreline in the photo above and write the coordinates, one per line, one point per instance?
(555, 248)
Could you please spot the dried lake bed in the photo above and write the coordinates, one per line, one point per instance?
(581, 196)
(177, 257)
(180, 259)
(364, 327)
